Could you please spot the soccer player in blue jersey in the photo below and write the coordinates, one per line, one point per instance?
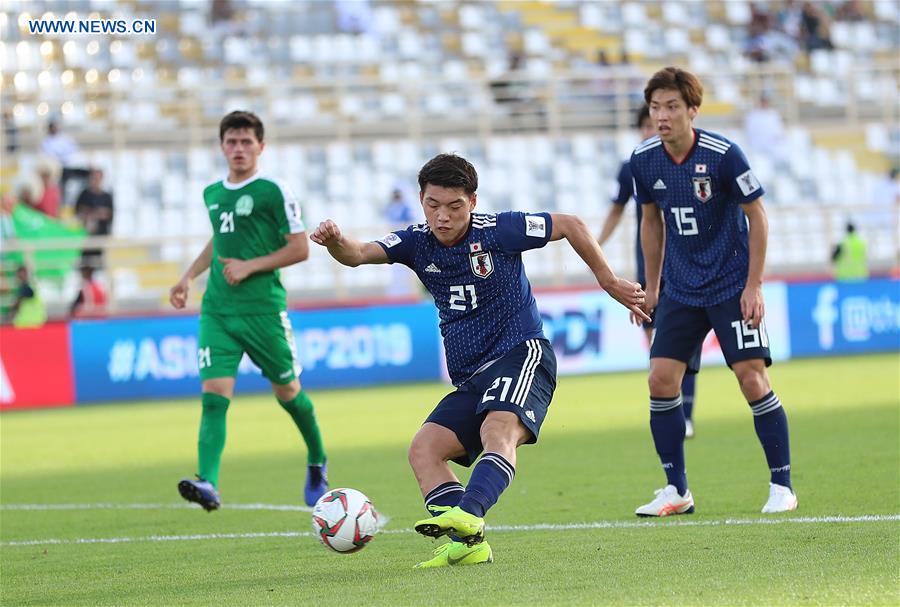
(702, 208)
(613, 218)
(502, 366)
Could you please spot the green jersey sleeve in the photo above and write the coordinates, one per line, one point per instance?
(287, 210)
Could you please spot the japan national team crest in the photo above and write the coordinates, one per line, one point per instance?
(480, 260)
(702, 188)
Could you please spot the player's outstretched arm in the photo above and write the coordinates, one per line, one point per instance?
(752, 305)
(179, 293)
(347, 251)
(573, 229)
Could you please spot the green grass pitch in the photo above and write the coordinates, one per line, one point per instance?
(595, 463)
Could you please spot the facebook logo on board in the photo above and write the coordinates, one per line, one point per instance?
(845, 317)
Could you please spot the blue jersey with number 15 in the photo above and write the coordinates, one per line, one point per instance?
(479, 286)
(707, 253)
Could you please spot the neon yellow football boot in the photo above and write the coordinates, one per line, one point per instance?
(455, 554)
(468, 527)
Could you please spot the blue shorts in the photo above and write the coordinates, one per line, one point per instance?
(681, 329)
(522, 382)
(693, 363)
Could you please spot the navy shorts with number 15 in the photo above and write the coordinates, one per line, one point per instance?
(680, 330)
(522, 381)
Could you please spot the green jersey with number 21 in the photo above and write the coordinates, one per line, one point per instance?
(249, 219)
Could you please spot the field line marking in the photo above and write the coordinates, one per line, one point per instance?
(172, 506)
(867, 518)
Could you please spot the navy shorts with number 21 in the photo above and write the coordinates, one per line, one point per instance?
(522, 381)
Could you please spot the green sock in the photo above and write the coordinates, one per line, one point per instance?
(301, 411)
(212, 437)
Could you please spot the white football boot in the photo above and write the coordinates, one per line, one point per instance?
(781, 499)
(668, 501)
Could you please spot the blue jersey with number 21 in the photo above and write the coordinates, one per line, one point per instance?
(707, 253)
(479, 286)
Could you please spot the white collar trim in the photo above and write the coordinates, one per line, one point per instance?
(237, 186)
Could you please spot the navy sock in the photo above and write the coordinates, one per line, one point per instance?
(491, 476)
(688, 386)
(771, 426)
(667, 427)
(442, 497)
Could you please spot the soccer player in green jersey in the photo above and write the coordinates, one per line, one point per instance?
(257, 229)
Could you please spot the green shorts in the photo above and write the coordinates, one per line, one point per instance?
(266, 338)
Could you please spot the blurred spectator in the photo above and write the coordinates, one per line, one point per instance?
(765, 42)
(884, 211)
(27, 309)
(757, 31)
(849, 257)
(602, 59)
(95, 210)
(51, 195)
(91, 298)
(10, 132)
(851, 10)
(764, 130)
(509, 89)
(64, 150)
(353, 16)
(399, 211)
(28, 191)
(790, 18)
(814, 28)
(7, 225)
(221, 11)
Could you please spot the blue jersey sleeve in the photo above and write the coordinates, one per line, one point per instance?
(517, 232)
(626, 184)
(400, 246)
(737, 176)
(641, 192)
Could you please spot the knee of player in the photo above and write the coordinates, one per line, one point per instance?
(501, 431)
(420, 451)
(753, 381)
(287, 392)
(662, 384)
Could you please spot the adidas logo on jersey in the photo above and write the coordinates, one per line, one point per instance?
(659, 185)
(432, 268)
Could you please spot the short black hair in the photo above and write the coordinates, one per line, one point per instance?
(449, 171)
(642, 115)
(241, 120)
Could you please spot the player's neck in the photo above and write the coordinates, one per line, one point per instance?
(679, 149)
(240, 176)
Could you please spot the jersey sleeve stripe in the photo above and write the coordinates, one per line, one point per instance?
(714, 142)
(648, 146)
(703, 144)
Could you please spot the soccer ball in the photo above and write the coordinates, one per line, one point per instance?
(344, 520)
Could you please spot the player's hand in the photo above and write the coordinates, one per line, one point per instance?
(753, 308)
(651, 299)
(235, 270)
(327, 233)
(629, 294)
(179, 293)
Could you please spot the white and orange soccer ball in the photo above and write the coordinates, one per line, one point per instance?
(344, 520)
